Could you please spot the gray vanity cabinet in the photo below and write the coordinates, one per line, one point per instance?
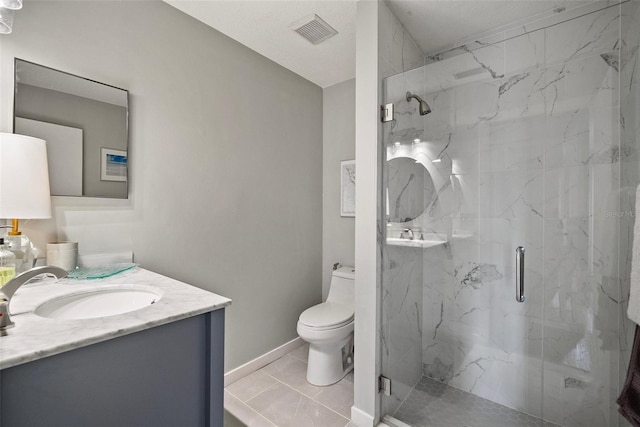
(169, 375)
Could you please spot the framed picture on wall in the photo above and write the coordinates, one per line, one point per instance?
(348, 188)
(113, 165)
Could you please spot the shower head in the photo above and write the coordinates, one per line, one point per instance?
(423, 106)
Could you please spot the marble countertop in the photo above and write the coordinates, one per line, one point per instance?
(34, 337)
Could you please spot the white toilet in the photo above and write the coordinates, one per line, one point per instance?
(328, 328)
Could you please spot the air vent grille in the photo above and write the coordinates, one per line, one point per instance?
(314, 29)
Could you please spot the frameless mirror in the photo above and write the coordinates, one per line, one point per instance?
(85, 124)
(410, 189)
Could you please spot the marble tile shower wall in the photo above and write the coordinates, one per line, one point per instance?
(629, 166)
(398, 51)
(401, 279)
(536, 152)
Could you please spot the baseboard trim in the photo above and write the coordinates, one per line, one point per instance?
(261, 361)
(360, 418)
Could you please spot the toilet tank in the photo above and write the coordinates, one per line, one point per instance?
(342, 283)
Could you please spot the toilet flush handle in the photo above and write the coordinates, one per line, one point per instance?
(336, 266)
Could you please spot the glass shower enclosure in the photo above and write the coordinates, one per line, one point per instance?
(509, 212)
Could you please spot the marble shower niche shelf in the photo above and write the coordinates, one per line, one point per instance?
(395, 241)
(462, 235)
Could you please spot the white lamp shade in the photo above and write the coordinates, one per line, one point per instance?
(24, 177)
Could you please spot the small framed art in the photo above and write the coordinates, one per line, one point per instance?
(113, 165)
(348, 188)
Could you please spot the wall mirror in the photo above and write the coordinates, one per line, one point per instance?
(410, 189)
(85, 124)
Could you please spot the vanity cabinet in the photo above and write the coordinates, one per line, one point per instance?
(169, 375)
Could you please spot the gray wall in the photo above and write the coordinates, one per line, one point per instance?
(103, 126)
(339, 136)
(225, 149)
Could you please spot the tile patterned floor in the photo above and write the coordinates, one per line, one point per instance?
(434, 404)
(279, 395)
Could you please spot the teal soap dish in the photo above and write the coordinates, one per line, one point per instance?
(100, 271)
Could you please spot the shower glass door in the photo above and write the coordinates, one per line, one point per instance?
(521, 149)
(467, 180)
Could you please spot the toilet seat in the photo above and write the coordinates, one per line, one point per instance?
(327, 315)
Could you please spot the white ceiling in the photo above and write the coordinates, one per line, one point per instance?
(439, 24)
(264, 26)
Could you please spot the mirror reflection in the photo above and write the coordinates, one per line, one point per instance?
(85, 124)
(410, 189)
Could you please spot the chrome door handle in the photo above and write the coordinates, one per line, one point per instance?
(520, 274)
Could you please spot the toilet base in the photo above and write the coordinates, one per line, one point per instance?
(329, 362)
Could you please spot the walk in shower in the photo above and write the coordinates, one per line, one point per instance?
(529, 158)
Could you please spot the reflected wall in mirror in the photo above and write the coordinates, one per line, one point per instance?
(410, 189)
(79, 118)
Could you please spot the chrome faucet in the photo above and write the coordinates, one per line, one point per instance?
(10, 288)
(408, 230)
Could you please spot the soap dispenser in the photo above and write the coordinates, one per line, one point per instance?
(7, 264)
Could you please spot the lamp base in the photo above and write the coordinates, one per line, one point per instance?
(15, 230)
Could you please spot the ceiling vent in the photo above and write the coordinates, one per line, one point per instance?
(314, 29)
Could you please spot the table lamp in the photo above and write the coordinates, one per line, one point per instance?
(24, 189)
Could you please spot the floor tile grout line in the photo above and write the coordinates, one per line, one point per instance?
(300, 359)
(303, 394)
(263, 391)
(234, 395)
(259, 393)
(320, 403)
(250, 408)
(332, 410)
(291, 387)
(314, 399)
(298, 348)
(293, 357)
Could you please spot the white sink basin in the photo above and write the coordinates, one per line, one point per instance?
(101, 302)
(416, 243)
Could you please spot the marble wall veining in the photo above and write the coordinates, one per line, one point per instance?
(535, 140)
(397, 50)
(401, 278)
(629, 166)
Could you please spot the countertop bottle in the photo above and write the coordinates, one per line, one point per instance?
(7, 264)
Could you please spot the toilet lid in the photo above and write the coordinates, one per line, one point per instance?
(326, 315)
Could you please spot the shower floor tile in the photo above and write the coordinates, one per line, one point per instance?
(434, 404)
